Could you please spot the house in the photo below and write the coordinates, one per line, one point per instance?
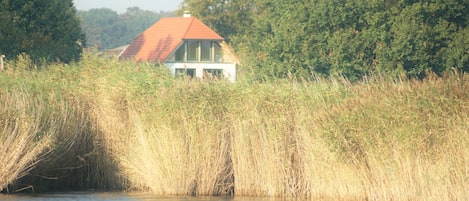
(186, 46)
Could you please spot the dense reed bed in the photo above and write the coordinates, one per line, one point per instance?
(106, 125)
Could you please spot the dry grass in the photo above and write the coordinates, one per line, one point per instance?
(376, 140)
(405, 140)
(380, 139)
(22, 145)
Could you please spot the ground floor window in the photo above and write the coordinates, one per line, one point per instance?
(213, 73)
(183, 72)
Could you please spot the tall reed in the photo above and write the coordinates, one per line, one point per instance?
(123, 125)
(22, 144)
(57, 106)
(381, 139)
(404, 140)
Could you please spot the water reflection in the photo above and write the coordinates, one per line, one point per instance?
(117, 197)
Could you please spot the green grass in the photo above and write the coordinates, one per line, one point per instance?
(108, 125)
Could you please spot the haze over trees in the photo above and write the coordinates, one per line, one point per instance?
(350, 38)
(106, 29)
(46, 30)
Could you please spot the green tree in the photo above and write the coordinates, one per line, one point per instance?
(422, 34)
(355, 38)
(229, 18)
(44, 29)
(457, 52)
(350, 38)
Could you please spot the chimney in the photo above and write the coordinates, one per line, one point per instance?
(187, 14)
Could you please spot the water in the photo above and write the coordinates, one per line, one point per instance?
(117, 197)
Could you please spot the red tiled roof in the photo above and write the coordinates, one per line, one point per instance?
(161, 39)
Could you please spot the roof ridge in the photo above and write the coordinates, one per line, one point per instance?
(161, 39)
(188, 27)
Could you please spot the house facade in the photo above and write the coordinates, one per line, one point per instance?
(187, 47)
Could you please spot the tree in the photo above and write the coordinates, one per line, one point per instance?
(44, 29)
(355, 38)
(422, 34)
(350, 38)
(229, 18)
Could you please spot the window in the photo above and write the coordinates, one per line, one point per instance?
(217, 52)
(193, 50)
(181, 53)
(205, 51)
(199, 51)
(213, 73)
(182, 72)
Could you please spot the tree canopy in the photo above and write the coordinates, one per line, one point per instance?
(44, 29)
(350, 38)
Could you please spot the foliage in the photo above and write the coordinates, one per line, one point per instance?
(342, 37)
(46, 30)
(106, 29)
(227, 18)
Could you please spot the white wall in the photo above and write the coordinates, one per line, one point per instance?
(229, 69)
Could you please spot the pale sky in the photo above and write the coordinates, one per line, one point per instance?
(121, 5)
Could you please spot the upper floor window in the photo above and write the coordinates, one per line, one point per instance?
(199, 51)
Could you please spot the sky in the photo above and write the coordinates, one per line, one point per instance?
(121, 5)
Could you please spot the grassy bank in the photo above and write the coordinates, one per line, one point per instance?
(105, 125)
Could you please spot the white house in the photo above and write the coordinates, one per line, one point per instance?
(186, 46)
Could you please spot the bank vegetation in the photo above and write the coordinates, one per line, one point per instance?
(105, 125)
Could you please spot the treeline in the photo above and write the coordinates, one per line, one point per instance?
(350, 38)
(274, 39)
(106, 29)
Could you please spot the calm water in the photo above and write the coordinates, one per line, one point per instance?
(117, 197)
